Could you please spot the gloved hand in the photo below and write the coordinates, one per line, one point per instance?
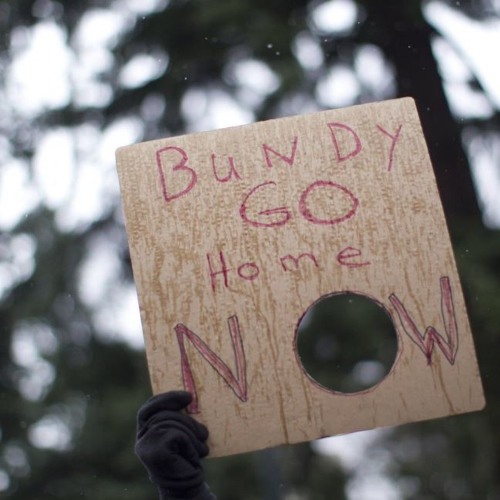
(170, 445)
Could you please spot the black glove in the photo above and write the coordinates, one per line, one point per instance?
(170, 444)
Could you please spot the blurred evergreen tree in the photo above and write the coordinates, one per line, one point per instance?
(82, 388)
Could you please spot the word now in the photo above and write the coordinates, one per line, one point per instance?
(237, 379)
(249, 271)
(174, 161)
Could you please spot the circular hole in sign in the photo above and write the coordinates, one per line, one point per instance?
(346, 342)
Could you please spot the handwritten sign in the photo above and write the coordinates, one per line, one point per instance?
(235, 233)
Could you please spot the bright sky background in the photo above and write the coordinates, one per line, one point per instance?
(74, 170)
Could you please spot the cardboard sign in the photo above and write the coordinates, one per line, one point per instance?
(235, 233)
